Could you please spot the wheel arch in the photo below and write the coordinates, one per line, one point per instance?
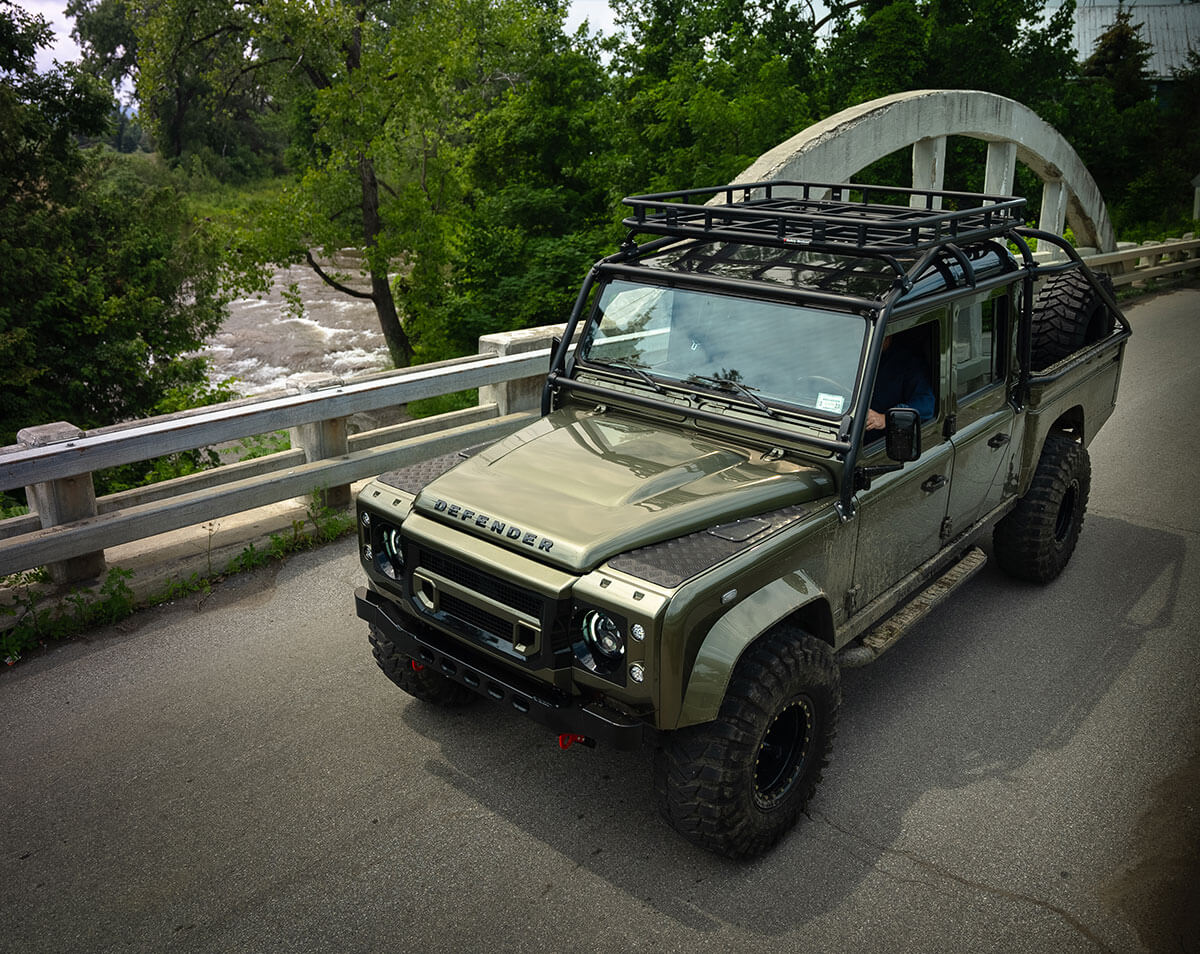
(793, 598)
(1070, 422)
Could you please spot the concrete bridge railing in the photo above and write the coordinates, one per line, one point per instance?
(69, 529)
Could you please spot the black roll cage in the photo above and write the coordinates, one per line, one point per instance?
(839, 219)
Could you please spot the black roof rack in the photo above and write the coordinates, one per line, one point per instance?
(839, 217)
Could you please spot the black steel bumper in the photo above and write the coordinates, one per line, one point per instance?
(493, 681)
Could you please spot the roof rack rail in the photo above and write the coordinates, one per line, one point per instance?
(840, 217)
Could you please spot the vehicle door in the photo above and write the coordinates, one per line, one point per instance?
(900, 517)
(982, 329)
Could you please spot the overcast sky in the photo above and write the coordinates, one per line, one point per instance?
(596, 12)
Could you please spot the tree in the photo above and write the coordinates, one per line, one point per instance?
(706, 86)
(381, 94)
(1120, 60)
(104, 30)
(999, 46)
(538, 172)
(107, 283)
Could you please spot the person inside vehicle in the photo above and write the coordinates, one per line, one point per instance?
(902, 381)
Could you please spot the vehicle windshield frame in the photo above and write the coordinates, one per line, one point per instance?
(702, 382)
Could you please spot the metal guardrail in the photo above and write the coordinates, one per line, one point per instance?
(72, 527)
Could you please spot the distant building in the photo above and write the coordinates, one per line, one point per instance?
(1170, 28)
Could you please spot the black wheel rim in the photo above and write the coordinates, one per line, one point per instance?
(783, 753)
(1066, 513)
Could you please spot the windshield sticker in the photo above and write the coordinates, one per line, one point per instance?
(830, 402)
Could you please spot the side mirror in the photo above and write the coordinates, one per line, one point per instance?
(903, 434)
(554, 345)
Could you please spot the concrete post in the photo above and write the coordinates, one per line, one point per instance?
(928, 168)
(1001, 168)
(1196, 198)
(1054, 212)
(526, 393)
(64, 501)
(322, 440)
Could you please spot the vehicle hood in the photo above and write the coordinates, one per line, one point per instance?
(576, 488)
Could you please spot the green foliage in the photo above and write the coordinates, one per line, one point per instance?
(105, 288)
(263, 445)
(1140, 147)
(444, 404)
(882, 47)
(200, 82)
(1120, 59)
(105, 32)
(107, 282)
(39, 620)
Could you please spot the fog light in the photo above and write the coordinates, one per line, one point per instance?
(637, 673)
(637, 631)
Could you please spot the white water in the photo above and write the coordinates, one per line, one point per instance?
(265, 348)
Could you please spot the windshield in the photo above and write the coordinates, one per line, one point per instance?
(763, 350)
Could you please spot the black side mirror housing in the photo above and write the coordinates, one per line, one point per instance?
(554, 345)
(903, 434)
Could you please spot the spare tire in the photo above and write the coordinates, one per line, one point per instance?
(1068, 313)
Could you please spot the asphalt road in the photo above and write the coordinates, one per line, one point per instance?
(1021, 773)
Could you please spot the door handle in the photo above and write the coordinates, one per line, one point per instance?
(998, 440)
(935, 482)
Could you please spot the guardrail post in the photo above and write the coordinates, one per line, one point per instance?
(524, 394)
(322, 440)
(63, 501)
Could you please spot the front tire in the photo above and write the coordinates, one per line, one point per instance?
(415, 679)
(1035, 541)
(737, 784)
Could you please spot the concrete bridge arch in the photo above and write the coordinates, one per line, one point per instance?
(837, 148)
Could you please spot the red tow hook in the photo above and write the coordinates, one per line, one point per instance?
(416, 666)
(567, 739)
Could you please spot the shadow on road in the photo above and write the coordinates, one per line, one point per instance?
(1003, 671)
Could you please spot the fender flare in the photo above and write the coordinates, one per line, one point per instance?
(732, 634)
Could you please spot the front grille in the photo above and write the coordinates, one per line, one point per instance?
(479, 618)
(485, 584)
(487, 626)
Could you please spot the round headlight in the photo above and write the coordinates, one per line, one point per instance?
(600, 645)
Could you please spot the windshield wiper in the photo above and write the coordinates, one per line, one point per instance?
(637, 369)
(725, 384)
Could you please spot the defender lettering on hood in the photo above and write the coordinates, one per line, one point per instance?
(482, 520)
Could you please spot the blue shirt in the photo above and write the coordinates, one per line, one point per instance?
(903, 381)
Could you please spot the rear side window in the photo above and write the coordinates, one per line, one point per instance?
(978, 351)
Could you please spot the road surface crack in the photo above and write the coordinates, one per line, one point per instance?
(945, 873)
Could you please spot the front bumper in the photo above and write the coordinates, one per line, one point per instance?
(492, 680)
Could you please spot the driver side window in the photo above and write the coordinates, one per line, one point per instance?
(907, 375)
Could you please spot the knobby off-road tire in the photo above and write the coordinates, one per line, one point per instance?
(1035, 541)
(1067, 314)
(425, 684)
(737, 784)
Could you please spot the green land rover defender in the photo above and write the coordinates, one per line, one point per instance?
(709, 519)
